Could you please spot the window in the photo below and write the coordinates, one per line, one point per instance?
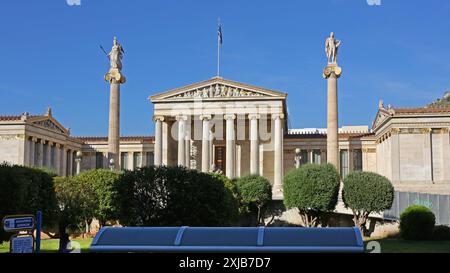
(357, 160)
(137, 160)
(149, 159)
(344, 163)
(124, 161)
(316, 157)
(98, 160)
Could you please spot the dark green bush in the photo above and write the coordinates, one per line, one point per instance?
(441, 233)
(26, 190)
(313, 189)
(365, 193)
(171, 196)
(255, 190)
(231, 198)
(417, 223)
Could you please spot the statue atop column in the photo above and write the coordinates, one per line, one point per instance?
(115, 61)
(331, 48)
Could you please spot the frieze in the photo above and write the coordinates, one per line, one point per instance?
(217, 91)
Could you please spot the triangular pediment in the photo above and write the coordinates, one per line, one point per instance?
(50, 123)
(381, 116)
(217, 89)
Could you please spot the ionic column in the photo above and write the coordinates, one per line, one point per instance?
(427, 154)
(277, 190)
(181, 139)
(58, 158)
(187, 146)
(205, 142)
(64, 161)
(332, 73)
(130, 161)
(49, 154)
(41, 153)
(158, 140)
(230, 148)
(254, 145)
(31, 159)
(70, 163)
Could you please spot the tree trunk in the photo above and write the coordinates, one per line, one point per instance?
(259, 215)
(63, 238)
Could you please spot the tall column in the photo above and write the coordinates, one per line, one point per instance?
(115, 79)
(130, 162)
(158, 140)
(49, 154)
(70, 163)
(41, 153)
(332, 73)
(187, 145)
(277, 190)
(254, 145)
(181, 139)
(64, 161)
(58, 158)
(230, 145)
(205, 142)
(32, 149)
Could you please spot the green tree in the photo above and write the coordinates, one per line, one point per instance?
(170, 196)
(365, 193)
(313, 189)
(25, 190)
(255, 190)
(75, 202)
(101, 183)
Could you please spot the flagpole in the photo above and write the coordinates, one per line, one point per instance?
(218, 50)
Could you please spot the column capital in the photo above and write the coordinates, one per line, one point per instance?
(58, 145)
(277, 116)
(254, 116)
(180, 117)
(34, 139)
(395, 131)
(42, 141)
(425, 130)
(158, 118)
(207, 117)
(229, 116)
(332, 70)
(444, 130)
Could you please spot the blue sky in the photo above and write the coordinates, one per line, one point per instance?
(50, 56)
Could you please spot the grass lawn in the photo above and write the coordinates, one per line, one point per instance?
(51, 245)
(397, 245)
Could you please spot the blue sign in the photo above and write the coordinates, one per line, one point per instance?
(18, 222)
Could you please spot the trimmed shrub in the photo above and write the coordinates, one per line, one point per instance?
(170, 196)
(313, 189)
(365, 193)
(417, 223)
(26, 190)
(101, 183)
(256, 191)
(441, 233)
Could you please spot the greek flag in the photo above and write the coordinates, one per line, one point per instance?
(219, 33)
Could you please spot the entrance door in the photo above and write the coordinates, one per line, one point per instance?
(219, 159)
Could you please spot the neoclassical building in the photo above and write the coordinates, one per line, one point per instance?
(241, 129)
